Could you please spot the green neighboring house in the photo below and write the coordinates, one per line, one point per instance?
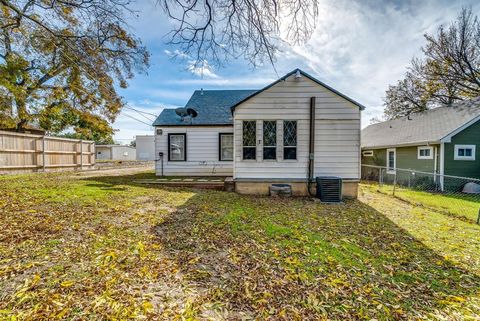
(444, 140)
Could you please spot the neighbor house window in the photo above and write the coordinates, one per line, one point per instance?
(367, 153)
(290, 139)
(464, 152)
(225, 147)
(249, 129)
(391, 161)
(177, 146)
(269, 139)
(425, 152)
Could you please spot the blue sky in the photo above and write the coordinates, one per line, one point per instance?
(359, 48)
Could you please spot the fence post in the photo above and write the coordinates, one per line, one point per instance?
(43, 153)
(81, 154)
(394, 182)
(478, 217)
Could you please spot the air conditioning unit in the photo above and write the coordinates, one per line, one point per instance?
(329, 189)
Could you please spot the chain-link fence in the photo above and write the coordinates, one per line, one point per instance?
(453, 195)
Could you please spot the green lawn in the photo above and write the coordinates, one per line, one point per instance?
(106, 248)
(457, 204)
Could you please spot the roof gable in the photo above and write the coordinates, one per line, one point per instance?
(309, 77)
(213, 107)
(421, 128)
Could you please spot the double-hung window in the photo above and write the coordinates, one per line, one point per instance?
(391, 161)
(249, 148)
(290, 139)
(270, 139)
(464, 152)
(225, 146)
(177, 147)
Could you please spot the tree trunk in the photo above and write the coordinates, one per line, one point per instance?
(22, 114)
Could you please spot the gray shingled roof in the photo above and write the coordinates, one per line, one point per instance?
(421, 128)
(213, 107)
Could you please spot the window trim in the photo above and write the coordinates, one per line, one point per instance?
(430, 148)
(367, 153)
(394, 170)
(243, 146)
(220, 146)
(468, 158)
(185, 147)
(263, 141)
(296, 140)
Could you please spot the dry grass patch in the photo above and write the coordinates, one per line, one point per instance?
(106, 248)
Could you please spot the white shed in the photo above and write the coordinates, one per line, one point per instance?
(115, 152)
(145, 146)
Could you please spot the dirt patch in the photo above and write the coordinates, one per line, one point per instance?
(114, 171)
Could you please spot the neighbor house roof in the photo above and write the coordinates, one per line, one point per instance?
(309, 77)
(428, 127)
(212, 106)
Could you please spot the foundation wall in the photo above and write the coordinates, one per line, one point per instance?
(349, 188)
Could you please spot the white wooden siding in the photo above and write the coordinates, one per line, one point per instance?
(202, 152)
(337, 131)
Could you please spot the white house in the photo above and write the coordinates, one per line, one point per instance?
(145, 146)
(115, 152)
(291, 131)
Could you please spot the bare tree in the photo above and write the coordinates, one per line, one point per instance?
(217, 30)
(448, 72)
(406, 97)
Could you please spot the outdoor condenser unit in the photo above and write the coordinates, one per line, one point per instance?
(329, 189)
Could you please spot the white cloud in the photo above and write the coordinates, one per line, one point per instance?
(361, 47)
(202, 69)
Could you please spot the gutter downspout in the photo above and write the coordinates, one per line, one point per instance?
(311, 146)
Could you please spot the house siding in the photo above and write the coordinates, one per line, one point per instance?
(378, 158)
(337, 135)
(202, 152)
(464, 168)
(407, 158)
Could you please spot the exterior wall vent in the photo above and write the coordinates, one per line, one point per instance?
(329, 189)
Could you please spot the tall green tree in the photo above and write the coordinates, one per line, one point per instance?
(449, 70)
(60, 61)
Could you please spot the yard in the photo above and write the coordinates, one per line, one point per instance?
(101, 247)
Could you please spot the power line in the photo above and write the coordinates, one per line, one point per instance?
(139, 112)
(143, 112)
(141, 121)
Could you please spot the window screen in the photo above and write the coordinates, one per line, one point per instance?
(176, 147)
(249, 139)
(226, 147)
(269, 139)
(290, 139)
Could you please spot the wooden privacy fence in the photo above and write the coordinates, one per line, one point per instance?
(32, 153)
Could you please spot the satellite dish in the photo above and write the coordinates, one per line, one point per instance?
(182, 112)
(192, 112)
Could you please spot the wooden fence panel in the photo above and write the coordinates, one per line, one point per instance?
(30, 153)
